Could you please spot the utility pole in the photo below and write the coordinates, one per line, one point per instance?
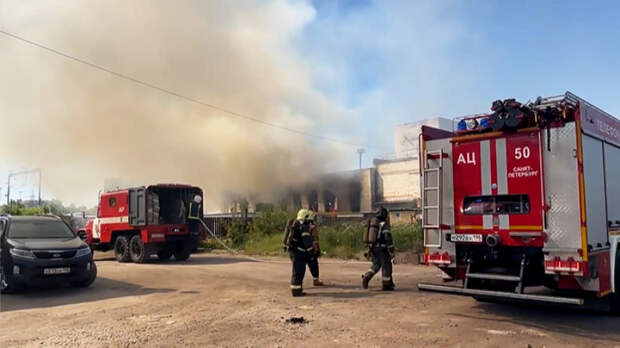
(8, 189)
(39, 187)
(360, 152)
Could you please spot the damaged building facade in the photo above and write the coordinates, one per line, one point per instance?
(393, 182)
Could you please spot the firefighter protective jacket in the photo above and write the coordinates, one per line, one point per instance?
(194, 211)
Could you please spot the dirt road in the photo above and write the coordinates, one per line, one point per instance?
(217, 300)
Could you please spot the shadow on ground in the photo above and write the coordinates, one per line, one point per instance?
(342, 295)
(201, 260)
(193, 260)
(58, 294)
(587, 324)
(352, 291)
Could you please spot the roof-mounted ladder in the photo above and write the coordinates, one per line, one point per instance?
(432, 181)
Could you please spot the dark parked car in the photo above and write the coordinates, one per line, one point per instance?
(41, 249)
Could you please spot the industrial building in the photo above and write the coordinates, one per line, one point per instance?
(393, 182)
(406, 135)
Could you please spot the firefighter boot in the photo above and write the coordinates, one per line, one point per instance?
(388, 285)
(366, 277)
(317, 282)
(297, 291)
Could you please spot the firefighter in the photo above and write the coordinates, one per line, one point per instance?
(193, 219)
(313, 264)
(299, 243)
(380, 250)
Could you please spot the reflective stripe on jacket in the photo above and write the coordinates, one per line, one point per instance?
(194, 211)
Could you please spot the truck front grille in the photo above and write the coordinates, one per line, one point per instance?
(53, 254)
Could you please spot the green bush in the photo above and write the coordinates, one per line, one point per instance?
(266, 244)
(236, 233)
(211, 244)
(408, 237)
(19, 209)
(342, 241)
(264, 236)
(346, 240)
(270, 222)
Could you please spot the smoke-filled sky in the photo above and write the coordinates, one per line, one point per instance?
(348, 70)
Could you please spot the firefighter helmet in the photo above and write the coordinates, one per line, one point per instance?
(302, 214)
(197, 199)
(382, 214)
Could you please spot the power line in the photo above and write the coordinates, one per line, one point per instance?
(178, 95)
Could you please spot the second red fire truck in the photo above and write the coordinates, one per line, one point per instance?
(525, 197)
(141, 221)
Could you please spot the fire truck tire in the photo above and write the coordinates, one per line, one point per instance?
(182, 254)
(164, 254)
(137, 250)
(615, 299)
(121, 249)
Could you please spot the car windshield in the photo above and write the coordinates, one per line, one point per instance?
(39, 229)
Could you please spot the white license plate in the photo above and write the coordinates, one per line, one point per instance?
(58, 270)
(468, 238)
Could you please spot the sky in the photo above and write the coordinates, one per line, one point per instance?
(349, 70)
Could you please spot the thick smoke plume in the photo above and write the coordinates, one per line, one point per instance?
(81, 125)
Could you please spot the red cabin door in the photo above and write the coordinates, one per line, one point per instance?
(137, 206)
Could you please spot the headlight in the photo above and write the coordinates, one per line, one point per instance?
(22, 253)
(82, 252)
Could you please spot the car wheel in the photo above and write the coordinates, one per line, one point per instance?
(7, 286)
(615, 297)
(165, 254)
(137, 250)
(86, 283)
(182, 254)
(121, 249)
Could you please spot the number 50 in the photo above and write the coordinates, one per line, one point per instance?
(522, 152)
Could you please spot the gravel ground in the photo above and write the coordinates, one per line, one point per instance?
(223, 301)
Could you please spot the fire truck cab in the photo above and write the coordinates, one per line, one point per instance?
(141, 221)
(523, 198)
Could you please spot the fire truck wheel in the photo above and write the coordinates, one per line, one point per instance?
(137, 251)
(165, 254)
(182, 254)
(121, 249)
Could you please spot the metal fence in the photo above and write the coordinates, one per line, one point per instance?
(218, 223)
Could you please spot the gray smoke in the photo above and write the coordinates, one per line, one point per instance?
(81, 125)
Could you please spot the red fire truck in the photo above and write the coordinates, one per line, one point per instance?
(525, 198)
(142, 221)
